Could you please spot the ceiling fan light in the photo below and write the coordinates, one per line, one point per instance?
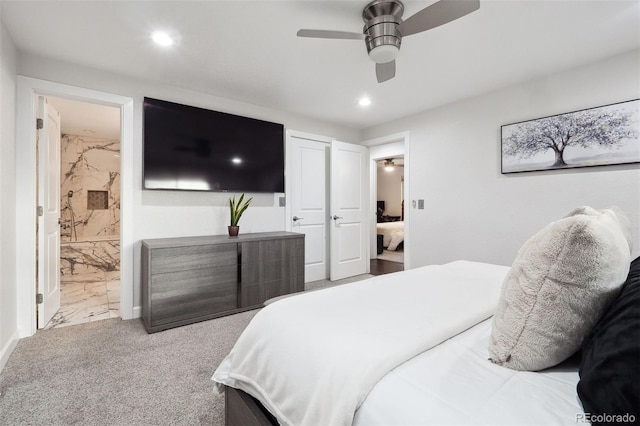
(389, 165)
(384, 53)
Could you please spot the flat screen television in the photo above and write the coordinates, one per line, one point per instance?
(196, 149)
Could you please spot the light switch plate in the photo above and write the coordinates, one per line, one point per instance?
(281, 201)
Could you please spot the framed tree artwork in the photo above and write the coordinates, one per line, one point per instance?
(598, 136)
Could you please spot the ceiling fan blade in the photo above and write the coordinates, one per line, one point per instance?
(385, 71)
(341, 35)
(437, 14)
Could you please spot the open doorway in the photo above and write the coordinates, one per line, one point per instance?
(27, 93)
(390, 209)
(89, 206)
(393, 208)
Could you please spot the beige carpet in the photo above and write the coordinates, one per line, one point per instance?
(317, 285)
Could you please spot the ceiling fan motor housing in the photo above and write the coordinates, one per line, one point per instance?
(384, 28)
(383, 39)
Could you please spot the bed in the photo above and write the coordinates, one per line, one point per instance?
(413, 347)
(392, 234)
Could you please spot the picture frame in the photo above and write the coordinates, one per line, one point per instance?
(599, 136)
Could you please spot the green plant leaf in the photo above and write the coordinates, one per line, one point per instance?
(238, 207)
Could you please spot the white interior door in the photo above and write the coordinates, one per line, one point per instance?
(49, 215)
(308, 215)
(349, 227)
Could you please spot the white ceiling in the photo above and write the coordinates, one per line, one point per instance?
(248, 50)
(85, 119)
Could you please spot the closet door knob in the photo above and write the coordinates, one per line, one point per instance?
(296, 218)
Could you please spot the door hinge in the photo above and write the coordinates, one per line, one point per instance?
(39, 123)
(40, 211)
(39, 298)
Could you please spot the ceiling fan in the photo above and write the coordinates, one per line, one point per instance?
(384, 28)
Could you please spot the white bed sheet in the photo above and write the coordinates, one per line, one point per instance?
(454, 383)
(392, 234)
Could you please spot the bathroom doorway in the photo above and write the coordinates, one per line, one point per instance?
(89, 212)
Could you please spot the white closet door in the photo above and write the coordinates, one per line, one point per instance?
(309, 165)
(349, 231)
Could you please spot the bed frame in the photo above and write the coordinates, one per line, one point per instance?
(241, 409)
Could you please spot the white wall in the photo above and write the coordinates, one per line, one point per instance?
(8, 285)
(159, 214)
(474, 212)
(390, 189)
(188, 213)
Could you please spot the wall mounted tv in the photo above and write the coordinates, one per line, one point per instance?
(196, 149)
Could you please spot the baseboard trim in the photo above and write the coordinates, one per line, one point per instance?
(137, 312)
(8, 349)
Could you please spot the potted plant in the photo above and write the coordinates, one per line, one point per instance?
(237, 208)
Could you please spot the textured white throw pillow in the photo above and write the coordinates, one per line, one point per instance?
(559, 285)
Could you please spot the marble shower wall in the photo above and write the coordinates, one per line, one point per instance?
(89, 204)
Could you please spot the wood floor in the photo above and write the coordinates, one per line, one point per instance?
(380, 267)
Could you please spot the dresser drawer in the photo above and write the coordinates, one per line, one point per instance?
(191, 294)
(173, 259)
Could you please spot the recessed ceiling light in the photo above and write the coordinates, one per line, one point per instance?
(364, 101)
(162, 38)
(236, 160)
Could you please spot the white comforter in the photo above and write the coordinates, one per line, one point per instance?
(311, 359)
(392, 234)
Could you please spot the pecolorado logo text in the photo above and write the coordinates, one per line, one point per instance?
(605, 418)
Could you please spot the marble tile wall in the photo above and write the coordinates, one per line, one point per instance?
(89, 164)
(89, 237)
(88, 257)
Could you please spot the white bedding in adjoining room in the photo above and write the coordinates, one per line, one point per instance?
(392, 234)
(454, 383)
(306, 353)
